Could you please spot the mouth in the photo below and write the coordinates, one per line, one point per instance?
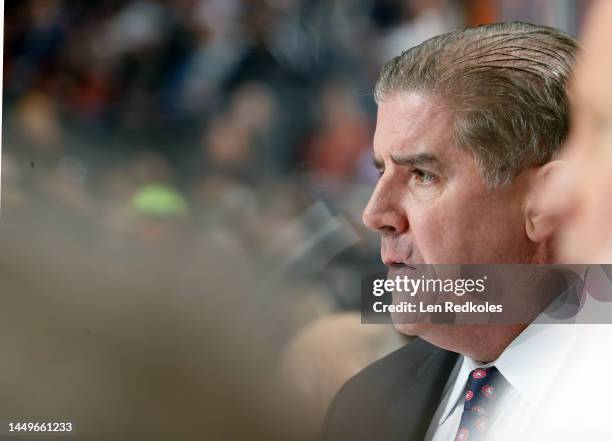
(396, 263)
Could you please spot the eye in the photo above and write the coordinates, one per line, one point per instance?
(422, 176)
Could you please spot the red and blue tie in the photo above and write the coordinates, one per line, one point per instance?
(484, 391)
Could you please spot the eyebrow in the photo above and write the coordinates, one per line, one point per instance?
(414, 160)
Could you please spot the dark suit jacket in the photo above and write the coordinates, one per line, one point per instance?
(393, 399)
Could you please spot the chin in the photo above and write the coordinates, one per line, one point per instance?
(411, 329)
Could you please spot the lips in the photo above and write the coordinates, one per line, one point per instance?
(391, 260)
(395, 264)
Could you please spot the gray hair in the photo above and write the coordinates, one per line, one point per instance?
(504, 82)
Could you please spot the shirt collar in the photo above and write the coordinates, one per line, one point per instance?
(530, 364)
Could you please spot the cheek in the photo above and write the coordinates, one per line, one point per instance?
(443, 232)
(600, 169)
(465, 228)
(594, 184)
(596, 197)
(428, 237)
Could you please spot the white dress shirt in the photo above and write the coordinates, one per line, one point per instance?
(530, 364)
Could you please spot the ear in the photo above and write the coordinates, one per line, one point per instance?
(543, 207)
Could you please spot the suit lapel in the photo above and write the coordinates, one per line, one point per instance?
(418, 396)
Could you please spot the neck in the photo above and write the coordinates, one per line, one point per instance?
(481, 343)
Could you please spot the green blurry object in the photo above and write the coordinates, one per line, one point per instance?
(159, 200)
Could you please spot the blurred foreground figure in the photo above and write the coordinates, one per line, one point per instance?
(324, 355)
(587, 192)
(140, 344)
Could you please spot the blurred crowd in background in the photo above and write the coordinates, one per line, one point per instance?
(159, 147)
(150, 119)
(154, 120)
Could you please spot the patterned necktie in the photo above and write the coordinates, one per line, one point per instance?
(484, 391)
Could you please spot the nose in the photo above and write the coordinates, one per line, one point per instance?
(384, 212)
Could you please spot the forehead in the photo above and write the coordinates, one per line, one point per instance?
(412, 123)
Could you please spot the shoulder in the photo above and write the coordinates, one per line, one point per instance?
(365, 401)
(397, 367)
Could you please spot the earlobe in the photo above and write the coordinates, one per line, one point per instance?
(544, 203)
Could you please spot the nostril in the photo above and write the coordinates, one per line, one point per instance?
(387, 229)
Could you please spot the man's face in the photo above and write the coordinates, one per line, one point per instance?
(586, 194)
(431, 204)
